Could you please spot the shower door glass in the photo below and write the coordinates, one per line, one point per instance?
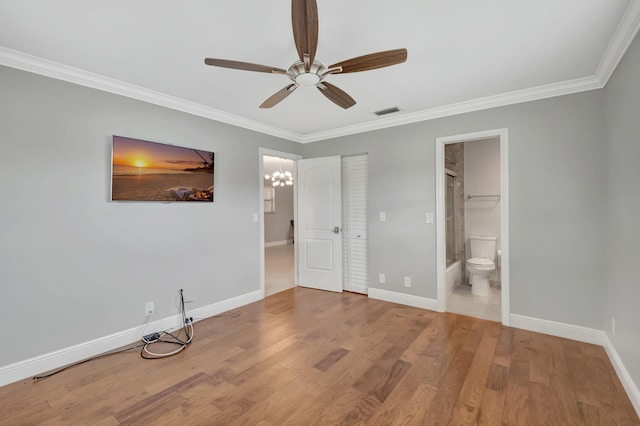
(450, 215)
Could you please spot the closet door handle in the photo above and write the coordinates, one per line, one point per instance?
(336, 230)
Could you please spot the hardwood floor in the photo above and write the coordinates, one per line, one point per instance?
(306, 357)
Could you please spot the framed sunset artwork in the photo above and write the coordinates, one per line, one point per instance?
(151, 171)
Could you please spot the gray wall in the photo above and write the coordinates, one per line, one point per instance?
(277, 226)
(556, 179)
(75, 266)
(622, 95)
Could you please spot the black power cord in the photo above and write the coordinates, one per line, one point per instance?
(44, 376)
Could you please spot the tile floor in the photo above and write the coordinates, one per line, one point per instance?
(278, 269)
(462, 301)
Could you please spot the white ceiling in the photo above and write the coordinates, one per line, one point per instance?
(463, 55)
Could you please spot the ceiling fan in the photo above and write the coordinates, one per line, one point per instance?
(307, 71)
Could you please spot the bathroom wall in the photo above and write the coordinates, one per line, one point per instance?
(454, 161)
(482, 172)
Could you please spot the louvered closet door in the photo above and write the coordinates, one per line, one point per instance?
(355, 264)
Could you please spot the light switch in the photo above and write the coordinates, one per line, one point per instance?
(255, 218)
(383, 217)
(429, 217)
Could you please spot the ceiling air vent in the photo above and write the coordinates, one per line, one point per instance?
(386, 111)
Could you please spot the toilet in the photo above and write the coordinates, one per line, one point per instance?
(481, 263)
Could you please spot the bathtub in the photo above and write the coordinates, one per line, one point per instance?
(453, 276)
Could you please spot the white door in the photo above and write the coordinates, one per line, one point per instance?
(319, 223)
(355, 264)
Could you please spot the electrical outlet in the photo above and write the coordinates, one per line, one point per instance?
(382, 278)
(149, 308)
(613, 326)
(429, 217)
(407, 281)
(383, 216)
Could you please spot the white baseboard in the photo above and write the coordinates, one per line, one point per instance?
(403, 299)
(278, 243)
(225, 305)
(629, 385)
(587, 335)
(553, 328)
(36, 365)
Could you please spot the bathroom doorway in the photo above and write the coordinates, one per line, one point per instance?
(472, 226)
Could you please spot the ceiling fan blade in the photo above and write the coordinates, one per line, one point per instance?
(246, 66)
(304, 17)
(335, 95)
(373, 61)
(278, 96)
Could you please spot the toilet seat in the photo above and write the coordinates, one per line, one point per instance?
(482, 264)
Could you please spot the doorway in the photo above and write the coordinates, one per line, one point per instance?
(466, 212)
(278, 258)
(275, 256)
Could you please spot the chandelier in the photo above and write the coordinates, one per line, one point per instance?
(280, 178)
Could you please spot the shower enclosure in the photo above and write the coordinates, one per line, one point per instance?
(454, 214)
(451, 182)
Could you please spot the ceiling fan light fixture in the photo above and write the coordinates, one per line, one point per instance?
(307, 79)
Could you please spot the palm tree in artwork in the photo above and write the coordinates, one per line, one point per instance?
(206, 164)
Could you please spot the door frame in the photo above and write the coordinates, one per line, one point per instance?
(295, 157)
(503, 135)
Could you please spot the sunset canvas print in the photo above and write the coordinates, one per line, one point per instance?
(151, 171)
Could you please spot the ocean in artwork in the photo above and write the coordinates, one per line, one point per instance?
(150, 171)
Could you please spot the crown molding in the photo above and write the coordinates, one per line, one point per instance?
(25, 62)
(622, 37)
(510, 98)
(620, 41)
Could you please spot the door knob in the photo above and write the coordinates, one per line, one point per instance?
(336, 230)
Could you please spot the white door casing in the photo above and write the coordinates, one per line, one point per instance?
(319, 223)
(503, 134)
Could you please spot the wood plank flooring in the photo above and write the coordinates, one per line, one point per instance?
(306, 357)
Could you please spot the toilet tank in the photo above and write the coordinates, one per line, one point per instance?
(484, 247)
